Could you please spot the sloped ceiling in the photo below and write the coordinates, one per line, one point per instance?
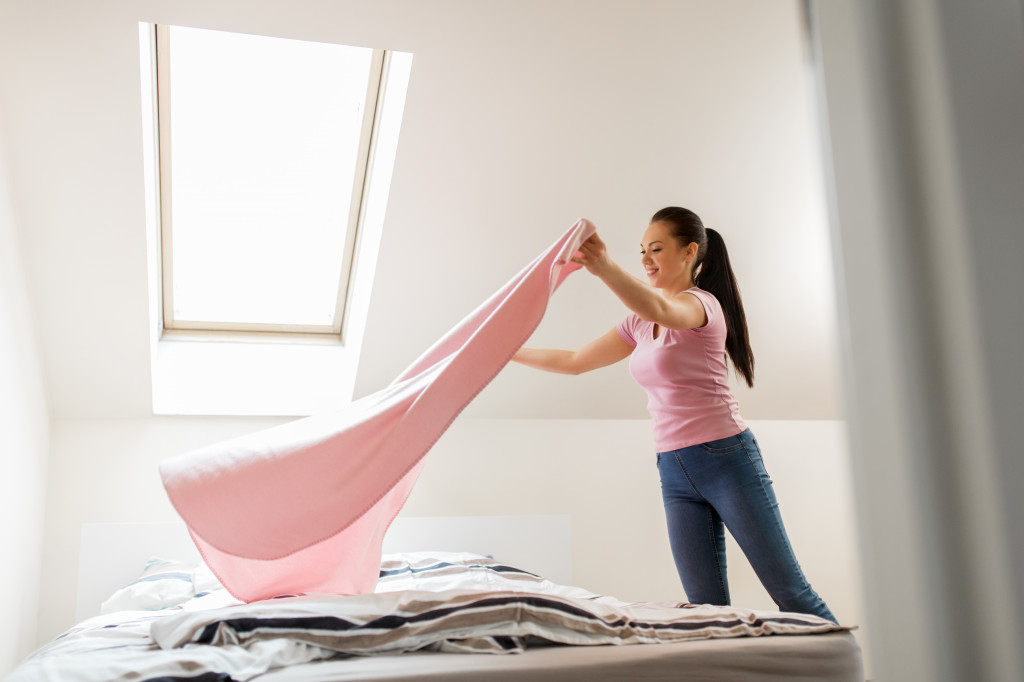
(520, 118)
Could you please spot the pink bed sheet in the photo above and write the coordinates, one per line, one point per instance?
(304, 507)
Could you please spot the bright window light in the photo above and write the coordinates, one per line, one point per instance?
(264, 144)
(259, 168)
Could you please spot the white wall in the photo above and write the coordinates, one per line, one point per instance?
(105, 470)
(24, 423)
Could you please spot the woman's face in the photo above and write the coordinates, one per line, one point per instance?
(666, 263)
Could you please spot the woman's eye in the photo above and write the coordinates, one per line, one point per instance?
(655, 250)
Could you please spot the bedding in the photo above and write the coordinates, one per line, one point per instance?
(163, 584)
(425, 604)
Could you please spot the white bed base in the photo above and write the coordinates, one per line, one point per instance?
(114, 554)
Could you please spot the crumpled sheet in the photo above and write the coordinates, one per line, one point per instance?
(303, 507)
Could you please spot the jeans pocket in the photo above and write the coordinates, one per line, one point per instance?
(723, 445)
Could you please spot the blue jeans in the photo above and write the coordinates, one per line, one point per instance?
(723, 484)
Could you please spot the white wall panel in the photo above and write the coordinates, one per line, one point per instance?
(24, 423)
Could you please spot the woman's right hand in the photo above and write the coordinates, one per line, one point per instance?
(593, 255)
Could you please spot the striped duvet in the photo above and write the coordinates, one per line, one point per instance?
(451, 603)
(491, 622)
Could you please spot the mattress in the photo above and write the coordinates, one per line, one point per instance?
(827, 657)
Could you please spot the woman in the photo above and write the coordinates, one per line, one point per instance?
(712, 476)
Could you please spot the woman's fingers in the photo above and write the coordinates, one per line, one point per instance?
(594, 246)
(590, 253)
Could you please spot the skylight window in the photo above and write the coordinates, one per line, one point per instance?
(267, 169)
(264, 145)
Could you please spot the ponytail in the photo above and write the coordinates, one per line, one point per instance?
(715, 276)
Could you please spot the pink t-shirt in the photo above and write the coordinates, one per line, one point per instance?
(686, 378)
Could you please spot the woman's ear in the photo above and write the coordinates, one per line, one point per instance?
(691, 250)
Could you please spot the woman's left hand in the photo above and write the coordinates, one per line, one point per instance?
(593, 255)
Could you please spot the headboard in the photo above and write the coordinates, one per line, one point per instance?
(113, 554)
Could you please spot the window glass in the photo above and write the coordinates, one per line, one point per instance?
(266, 140)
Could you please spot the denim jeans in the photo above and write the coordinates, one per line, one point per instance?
(723, 484)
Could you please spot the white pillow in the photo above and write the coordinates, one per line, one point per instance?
(204, 581)
(163, 584)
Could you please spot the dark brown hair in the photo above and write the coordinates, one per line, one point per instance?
(713, 273)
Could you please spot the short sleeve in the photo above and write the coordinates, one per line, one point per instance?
(711, 308)
(627, 329)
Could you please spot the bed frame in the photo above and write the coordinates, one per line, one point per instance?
(113, 554)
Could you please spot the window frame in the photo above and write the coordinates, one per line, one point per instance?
(271, 331)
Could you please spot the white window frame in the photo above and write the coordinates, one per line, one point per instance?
(163, 126)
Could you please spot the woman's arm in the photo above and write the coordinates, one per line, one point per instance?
(682, 311)
(600, 352)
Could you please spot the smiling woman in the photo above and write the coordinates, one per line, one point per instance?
(712, 477)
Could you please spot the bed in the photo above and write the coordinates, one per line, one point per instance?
(458, 599)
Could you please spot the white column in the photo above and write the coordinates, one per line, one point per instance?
(922, 109)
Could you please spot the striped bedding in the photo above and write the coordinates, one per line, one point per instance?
(436, 602)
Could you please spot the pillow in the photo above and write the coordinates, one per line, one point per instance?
(440, 571)
(163, 584)
(407, 559)
(437, 571)
(204, 581)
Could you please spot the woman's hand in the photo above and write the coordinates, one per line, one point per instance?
(593, 255)
(681, 311)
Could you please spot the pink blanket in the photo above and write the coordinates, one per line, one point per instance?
(303, 507)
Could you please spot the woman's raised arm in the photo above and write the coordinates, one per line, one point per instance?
(601, 352)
